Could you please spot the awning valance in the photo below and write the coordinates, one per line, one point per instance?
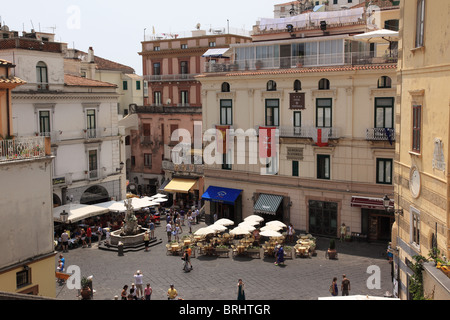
(222, 195)
(180, 185)
(267, 203)
(369, 203)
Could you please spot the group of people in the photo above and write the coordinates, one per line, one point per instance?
(175, 220)
(137, 290)
(345, 286)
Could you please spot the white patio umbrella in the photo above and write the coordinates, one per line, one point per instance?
(270, 233)
(379, 36)
(159, 200)
(159, 195)
(217, 227)
(204, 231)
(250, 222)
(276, 223)
(238, 231)
(246, 226)
(254, 218)
(272, 228)
(225, 222)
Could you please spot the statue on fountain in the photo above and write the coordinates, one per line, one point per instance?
(131, 226)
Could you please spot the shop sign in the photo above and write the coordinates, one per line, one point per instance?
(297, 100)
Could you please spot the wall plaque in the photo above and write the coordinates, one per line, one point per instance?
(294, 153)
(297, 100)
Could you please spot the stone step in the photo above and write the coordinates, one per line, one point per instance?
(136, 247)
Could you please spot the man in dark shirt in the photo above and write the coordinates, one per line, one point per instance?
(345, 287)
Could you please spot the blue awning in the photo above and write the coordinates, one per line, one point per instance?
(222, 195)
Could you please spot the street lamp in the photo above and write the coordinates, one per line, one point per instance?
(388, 208)
(64, 216)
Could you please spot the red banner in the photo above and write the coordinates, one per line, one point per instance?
(267, 141)
(222, 139)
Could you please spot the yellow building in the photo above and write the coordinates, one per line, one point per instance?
(421, 161)
(27, 263)
(303, 81)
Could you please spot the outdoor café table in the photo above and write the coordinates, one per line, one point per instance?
(241, 249)
(187, 242)
(175, 247)
(209, 250)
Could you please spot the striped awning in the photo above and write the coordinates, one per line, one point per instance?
(267, 203)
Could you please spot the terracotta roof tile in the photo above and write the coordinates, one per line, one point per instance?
(70, 80)
(11, 80)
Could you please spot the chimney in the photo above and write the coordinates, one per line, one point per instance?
(91, 55)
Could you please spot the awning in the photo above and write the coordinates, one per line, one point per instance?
(267, 203)
(216, 53)
(78, 212)
(165, 183)
(222, 195)
(180, 185)
(369, 203)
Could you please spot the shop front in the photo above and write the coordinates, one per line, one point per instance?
(376, 222)
(185, 193)
(224, 202)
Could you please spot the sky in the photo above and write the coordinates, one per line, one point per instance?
(115, 28)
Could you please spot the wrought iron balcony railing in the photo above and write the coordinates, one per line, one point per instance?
(380, 134)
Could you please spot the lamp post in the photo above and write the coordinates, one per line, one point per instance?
(388, 208)
(64, 216)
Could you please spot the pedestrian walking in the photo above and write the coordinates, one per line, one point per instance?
(172, 293)
(345, 286)
(148, 292)
(89, 236)
(151, 226)
(169, 232)
(146, 240)
(65, 241)
(124, 294)
(280, 256)
(190, 221)
(290, 232)
(343, 232)
(83, 237)
(240, 290)
(138, 277)
(334, 287)
(108, 236)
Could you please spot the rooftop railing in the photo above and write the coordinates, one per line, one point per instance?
(320, 60)
(22, 149)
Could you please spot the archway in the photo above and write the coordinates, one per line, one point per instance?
(95, 194)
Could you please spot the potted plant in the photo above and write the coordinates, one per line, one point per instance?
(86, 288)
(348, 238)
(332, 250)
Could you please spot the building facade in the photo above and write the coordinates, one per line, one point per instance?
(421, 161)
(332, 101)
(26, 201)
(174, 103)
(77, 113)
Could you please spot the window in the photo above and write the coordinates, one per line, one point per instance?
(91, 127)
(392, 24)
(93, 164)
(384, 82)
(384, 113)
(212, 43)
(156, 48)
(23, 277)
(295, 172)
(226, 158)
(297, 85)
(324, 84)
(138, 85)
(184, 46)
(272, 112)
(420, 23)
(226, 112)
(323, 167)
(125, 85)
(157, 69)
(44, 123)
(157, 98)
(147, 160)
(225, 87)
(271, 85)
(184, 67)
(297, 122)
(174, 137)
(41, 74)
(184, 98)
(323, 113)
(384, 171)
(415, 227)
(416, 127)
(146, 128)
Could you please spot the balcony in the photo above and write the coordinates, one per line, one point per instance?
(306, 132)
(86, 134)
(170, 77)
(380, 134)
(161, 109)
(25, 148)
(320, 60)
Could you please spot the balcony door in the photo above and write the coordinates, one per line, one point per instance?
(91, 125)
(93, 164)
(44, 123)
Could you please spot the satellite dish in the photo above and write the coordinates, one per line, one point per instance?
(198, 26)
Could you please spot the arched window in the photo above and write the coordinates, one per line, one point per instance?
(271, 85)
(225, 87)
(324, 84)
(384, 82)
(297, 85)
(41, 75)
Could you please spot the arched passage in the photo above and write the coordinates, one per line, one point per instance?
(95, 194)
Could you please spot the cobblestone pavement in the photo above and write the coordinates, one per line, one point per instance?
(216, 278)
